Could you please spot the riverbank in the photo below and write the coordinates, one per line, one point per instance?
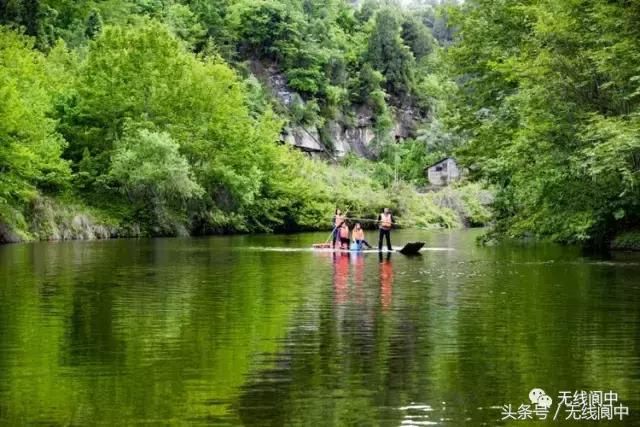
(51, 219)
(627, 241)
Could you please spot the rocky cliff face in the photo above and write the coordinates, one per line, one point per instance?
(355, 140)
(7, 235)
(307, 140)
(406, 123)
(338, 139)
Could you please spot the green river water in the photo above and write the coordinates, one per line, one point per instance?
(259, 330)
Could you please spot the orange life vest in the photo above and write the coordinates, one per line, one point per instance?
(339, 220)
(344, 232)
(385, 221)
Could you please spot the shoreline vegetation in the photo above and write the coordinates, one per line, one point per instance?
(466, 205)
(143, 118)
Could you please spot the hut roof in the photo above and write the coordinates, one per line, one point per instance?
(439, 161)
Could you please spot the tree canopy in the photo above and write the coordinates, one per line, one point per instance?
(549, 106)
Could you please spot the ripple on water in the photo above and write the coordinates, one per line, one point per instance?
(255, 330)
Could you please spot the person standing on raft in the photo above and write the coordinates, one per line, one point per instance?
(338, 220)
(385, 223)
(358, 236)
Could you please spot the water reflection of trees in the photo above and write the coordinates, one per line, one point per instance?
(476, 332)
(171, 330)
(155, 330)
(349, 367)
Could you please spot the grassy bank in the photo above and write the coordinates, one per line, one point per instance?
(47, 218)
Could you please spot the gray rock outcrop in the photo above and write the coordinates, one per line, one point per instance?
(338, 138)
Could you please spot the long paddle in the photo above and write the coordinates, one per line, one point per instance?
(330, 235)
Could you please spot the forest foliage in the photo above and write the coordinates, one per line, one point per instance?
(142, 115)
(145, 111)
(549, 108)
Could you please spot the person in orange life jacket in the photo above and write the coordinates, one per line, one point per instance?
(338, 220)
(358, 236)
(385, 223)
(344, 236)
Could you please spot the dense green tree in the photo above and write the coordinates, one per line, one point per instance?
(161, 86)
(184, 24)
(150, 164)
(368, 9)
(10, 11)
(156, 178)
(388, 54)
(30, 147)
(417, 37)
(94, 24)
(265, 28)
(31, 16)
(549, 105)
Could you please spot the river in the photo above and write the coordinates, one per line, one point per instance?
(259, 330)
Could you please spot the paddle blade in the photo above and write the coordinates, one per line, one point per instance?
(412, 248)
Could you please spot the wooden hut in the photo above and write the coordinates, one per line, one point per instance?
(443, 172)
